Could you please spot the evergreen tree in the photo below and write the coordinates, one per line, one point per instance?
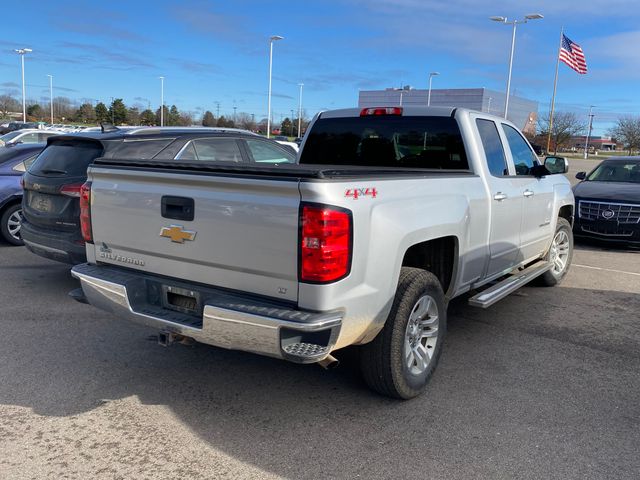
(118, 111)
(147, 117)
(102, 113)
(208, 119)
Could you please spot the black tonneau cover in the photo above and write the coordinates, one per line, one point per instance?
(273, 170)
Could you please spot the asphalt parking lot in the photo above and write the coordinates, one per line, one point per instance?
(545, 384)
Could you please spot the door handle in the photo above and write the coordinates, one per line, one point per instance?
(177, 208)
(499, 196)
(528, 193)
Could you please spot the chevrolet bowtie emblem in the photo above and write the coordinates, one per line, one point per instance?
(177, 234)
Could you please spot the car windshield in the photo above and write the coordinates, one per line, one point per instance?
(7, 137)
(386, 141)
(617, 171)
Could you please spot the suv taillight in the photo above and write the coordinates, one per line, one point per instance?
(71, 189)
(85, 212)
(325, 243)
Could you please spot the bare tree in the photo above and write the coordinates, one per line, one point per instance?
(627, 130)
(565, 126)
(8, 104)
(244, 120)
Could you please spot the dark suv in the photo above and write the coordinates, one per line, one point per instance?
(51, 201)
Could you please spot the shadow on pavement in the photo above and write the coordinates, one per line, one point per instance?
(533, 377)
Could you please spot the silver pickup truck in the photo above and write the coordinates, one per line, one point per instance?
(387, 215)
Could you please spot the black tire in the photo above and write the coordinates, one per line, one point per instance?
(7, 215)
(553, 277)
(382, 361)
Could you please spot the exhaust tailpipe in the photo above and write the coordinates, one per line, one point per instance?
(329, 362)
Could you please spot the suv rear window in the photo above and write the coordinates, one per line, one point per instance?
(66, 158)
(386, 141)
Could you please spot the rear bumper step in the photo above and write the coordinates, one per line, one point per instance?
(497, 292)
(228, 320)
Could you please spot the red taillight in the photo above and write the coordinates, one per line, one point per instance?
(325, 244)
(381, 111)
(85, 212)
(71, 190)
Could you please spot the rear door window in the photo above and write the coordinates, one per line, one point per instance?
(66, 158)
(386, 141)
(217, 150)
(493, 149)
(29, 138)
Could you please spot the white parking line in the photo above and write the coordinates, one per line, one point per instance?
(605, 269)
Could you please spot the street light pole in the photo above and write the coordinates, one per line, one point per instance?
(515, 23)
(51, 95)
(586, 144)
(300, 109)
(273, 38)
(22, 52)
(161, 101)
(112, 113)
(431, 75)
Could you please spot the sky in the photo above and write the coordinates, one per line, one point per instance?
(214, 52)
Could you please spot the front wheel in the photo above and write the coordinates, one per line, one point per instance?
(559, 255)
(400, 361)
(10, 224)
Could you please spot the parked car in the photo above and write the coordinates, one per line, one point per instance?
(291, 145)
(29, 135)
(51, 204)
(608, 201)
(390, 213)
(12, 126)
(13, 163)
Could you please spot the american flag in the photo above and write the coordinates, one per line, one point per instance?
(571, 54)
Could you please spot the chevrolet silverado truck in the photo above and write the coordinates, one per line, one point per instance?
(387, 214)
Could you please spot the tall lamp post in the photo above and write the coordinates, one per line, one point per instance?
(161, 101)
(586, 144)
(51, 96)
(300, 109)
(22, 52)
(514, 23)
(273, 38)
(431, 75)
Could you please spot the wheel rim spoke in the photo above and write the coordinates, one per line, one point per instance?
(421, 335)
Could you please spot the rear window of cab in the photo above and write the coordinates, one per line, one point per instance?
(386, 141)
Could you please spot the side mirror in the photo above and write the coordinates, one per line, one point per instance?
(556, 165)
(581, 175)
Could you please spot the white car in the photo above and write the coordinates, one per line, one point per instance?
(292, 145)
(27, 135)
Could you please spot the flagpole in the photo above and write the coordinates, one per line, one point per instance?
(553, 98)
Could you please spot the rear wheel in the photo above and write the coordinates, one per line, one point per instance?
(10, 224)
(559, 255)
(399, 362)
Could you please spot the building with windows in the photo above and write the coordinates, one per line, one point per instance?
(606, 144)
(522, 112)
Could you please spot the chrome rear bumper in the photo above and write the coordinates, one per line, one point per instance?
(228, 320)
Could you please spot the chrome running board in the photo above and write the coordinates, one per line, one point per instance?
(497, 292)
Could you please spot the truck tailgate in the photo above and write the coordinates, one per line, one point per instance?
(243, 234)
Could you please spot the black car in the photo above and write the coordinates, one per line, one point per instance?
(13, 126)
(608, 201)
(51, 202)
(14, 161)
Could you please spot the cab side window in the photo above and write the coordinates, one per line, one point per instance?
(493, 149)
(523, 157)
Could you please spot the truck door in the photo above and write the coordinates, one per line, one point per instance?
(537, 195)
(505, 201)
